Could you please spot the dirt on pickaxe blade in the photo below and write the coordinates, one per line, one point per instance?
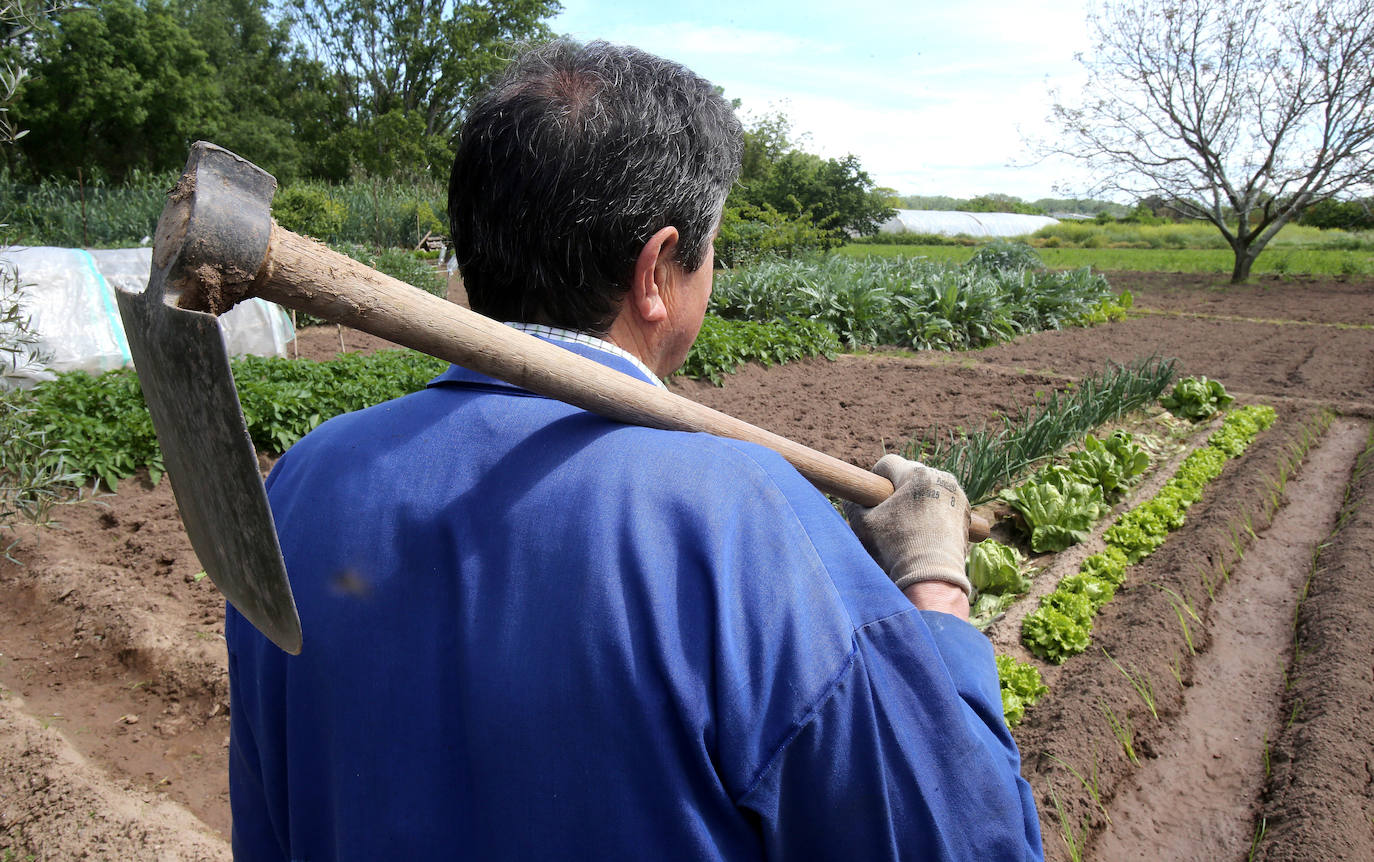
(215, 245)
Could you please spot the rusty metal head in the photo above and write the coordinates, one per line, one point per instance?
(211, 241)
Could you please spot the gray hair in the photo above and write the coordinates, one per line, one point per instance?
(567, 166)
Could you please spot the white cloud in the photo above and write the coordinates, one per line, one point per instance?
(679, 39)
(932, 99)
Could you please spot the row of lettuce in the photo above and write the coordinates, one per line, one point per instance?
(1058, 506)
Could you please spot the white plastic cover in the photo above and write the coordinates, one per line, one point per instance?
(955, 222)
(68, 295)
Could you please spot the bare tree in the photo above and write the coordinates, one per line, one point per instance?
(1237, 112)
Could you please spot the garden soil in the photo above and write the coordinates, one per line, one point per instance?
(113, 691)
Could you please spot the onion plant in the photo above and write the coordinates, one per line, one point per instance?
(994, 456)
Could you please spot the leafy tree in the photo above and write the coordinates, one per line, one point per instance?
(777, 177)
(766, 140)
(120, 85)
(20, 23)
(405, 67)
(749, 232)
(1342, 215)
(276, 103)
(1078, 205)
(997, 203)
(1239, 113)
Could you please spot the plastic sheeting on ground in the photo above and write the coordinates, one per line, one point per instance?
(955, 222)
(68, 296)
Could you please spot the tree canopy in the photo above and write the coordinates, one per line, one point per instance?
(323, 88)
(1242, 113)
(402, 69)
(337, 89)
(802, 199)
(114, 86)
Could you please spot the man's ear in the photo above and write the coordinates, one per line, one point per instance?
(652, 274)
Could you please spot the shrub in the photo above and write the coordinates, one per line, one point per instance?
(1344, 215)
(309, 210)
(33, 472)
(725, 345)
(750, 233)
(1001, 254)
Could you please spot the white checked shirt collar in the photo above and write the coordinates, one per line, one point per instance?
(559, 334)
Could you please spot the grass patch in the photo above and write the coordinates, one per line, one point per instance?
(1275, 260)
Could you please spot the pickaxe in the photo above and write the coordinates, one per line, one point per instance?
(216, 244)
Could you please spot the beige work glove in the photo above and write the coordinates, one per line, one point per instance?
(920, 533)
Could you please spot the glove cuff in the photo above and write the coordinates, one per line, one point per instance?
(959, 580)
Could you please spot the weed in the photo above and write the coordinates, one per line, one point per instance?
(1139, 681)
(1258, 837)
(1122, 730)
(1091, 786)
(1073, 842)
(1176, 668)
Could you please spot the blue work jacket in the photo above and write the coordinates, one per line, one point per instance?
(534, 633)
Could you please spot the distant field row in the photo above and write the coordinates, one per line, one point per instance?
(1273, 261)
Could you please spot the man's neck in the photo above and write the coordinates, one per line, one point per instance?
(632, 339)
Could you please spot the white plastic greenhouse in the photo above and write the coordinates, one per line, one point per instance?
(67, 296)
(953, 223)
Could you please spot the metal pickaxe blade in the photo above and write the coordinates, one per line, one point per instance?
(216, 244)
(203, 238)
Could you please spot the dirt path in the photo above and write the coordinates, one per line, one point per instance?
(1319, 803)
(61, 806)
(1269, 297)
(1197, 796)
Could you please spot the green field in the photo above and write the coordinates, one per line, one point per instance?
(1275, 260)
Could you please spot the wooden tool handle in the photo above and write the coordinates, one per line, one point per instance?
(305, 275)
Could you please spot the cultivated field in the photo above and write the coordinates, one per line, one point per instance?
(1220, 711)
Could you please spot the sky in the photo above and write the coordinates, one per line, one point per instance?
(935, 98)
